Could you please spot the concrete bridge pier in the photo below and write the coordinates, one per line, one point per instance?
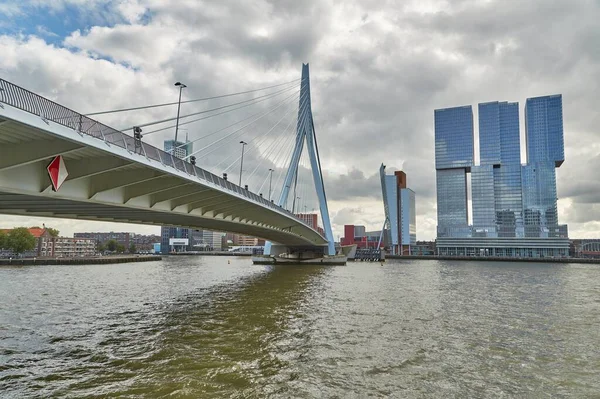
(299, 254)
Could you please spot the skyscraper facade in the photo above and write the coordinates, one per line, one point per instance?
(400, 211)
(514, 205)
(453, 160)
(496, 182)
(545, 153)
(180, 150)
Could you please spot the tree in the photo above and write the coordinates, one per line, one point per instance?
(3, 240)
(111, 245)
(20, 240)
(120, 248)
(53, 232)
(100, 247)
(132, 248)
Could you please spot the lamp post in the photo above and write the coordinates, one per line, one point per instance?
(243, 143)
(270, 181)
(181, 87)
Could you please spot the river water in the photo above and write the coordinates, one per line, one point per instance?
(212, 327)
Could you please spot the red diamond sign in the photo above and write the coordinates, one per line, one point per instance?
(57, 172)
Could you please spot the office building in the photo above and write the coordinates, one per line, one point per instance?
(496, 181)
(513, 205)
(545, 153)
(400, 211)
(176, 238)
(453, 160)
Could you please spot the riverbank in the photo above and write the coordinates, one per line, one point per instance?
(496, 259)
(103, 260)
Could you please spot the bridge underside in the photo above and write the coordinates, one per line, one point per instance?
(107, 182)
(27, 205)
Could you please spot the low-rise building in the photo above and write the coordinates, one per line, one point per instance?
(359, 236)
(102, 238)
(42, 237)
(67, 247)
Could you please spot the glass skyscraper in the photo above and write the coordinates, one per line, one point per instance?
(453, 159)
(544, 130)
(545, 152)
(496, 183)
(400, 211)
(513, 205)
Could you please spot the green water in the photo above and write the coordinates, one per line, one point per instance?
(212, 327)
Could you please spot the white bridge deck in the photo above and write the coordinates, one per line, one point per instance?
(112, 179)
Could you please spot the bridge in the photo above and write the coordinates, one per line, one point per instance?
(118, 177)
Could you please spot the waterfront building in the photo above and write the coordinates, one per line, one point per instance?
(60, 247)
(496, 181)
(400, 211)
(212, 240)
(586, 248)
(121, 238)
(423, 248)
(67, 247)
(43, 239)
(545, 153)
(453, 160)
(143, 242)
(513, 205)
(173, 234)
(357, 235)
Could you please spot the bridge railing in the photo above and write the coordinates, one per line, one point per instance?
(48, 110)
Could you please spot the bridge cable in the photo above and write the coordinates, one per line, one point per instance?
(269, 95)
(284, 153)
(275, 144)
(211, 116)
(287, 161)
(231, 155)
(283, 157)
(278, 144)
(189, 101)
(272, 146)
(243, 127)
(283, 150)
(251, 140)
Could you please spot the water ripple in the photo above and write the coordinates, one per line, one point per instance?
(216, 327)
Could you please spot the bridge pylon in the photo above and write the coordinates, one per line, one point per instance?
(305, 132)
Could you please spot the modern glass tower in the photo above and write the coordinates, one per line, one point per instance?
(400, 211)
(545, 152)
(496, 183)
(453, 159)
(514, 205)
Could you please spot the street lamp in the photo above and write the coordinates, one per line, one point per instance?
(243, 143)
(181, 87)
(270, 181)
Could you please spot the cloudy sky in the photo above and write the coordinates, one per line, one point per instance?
(378, 70)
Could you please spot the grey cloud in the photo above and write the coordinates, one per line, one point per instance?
(377, 73)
